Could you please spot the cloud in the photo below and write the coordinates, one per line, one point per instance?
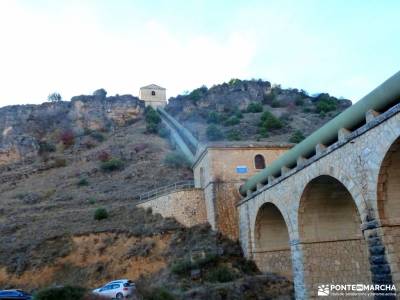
(73, 53)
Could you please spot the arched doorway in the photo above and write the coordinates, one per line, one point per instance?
(334, 250)
(388, 197)
(271, 242)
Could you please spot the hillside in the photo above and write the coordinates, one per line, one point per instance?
(62, 161)
(253, 110)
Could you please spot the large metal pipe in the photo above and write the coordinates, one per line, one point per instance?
(186, 134)
(384, 96)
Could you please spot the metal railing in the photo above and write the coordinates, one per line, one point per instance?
(164, 190)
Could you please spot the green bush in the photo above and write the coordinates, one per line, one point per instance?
(299, 101)
(238, 114)
(61, 293)
(255, 107)
(275, 103)
(234, 135)
(153, 120)
(232, 121)
(214, 133)
(269, 121)
(325, 103)
(297, 137)
(46, 147)
(100, 213)
(98, 136)
(182, 267)
(220, 274)
(91, 200)
(112, 165)
(159, 293)
(196, 94)
(82, 182)
(163, 132)
(234, 81)
(213, 117)
(176, 159)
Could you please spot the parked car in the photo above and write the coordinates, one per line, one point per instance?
(120, 289)
(14, 295)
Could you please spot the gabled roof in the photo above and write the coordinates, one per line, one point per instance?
(152, 87)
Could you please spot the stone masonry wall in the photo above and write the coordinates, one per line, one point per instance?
(187, 207)
(278, 261)
(347, 258)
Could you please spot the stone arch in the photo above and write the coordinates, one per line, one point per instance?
(271, 250)
(259, 162)
(334, 250)
(388, 203)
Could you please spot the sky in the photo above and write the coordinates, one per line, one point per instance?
(343, 47)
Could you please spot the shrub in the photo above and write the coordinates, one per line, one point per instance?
(234, 81)
(54, 97)
(268, 98)
(214, 133)
(325, 106)
(103, 156)
(238, 114)
(59, 163)
(98, 136)
(213, 117)
(275, 103)
(220, 274)
(163, 132)
(182, 267)
(297, 137)
(232, 121)
(269, 121)
(67, 138)
(113, 164)
(61, 293)
(254, 107)
(82, 182)
(153, 120)
(100, 214)
(91, 200)
(196, 94)
(299, 101)
(158, 293)
(176, 160)
(234, 135)
(45, 147)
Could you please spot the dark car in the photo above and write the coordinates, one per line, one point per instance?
(14, 295)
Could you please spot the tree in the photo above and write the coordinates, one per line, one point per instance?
(54, 97)
(213, 133)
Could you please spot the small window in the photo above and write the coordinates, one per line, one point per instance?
(153, 93)
(259, 161)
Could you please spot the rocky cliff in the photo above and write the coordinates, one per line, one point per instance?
(24, 127)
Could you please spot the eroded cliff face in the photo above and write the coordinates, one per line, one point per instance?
(23, 127)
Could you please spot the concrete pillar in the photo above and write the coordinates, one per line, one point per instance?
(298, 269)
(370, 115)
(319, 148)
(343, 134)
(301, 161)
(379, 266)
(284, 170)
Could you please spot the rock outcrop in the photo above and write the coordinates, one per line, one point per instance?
(23, 127)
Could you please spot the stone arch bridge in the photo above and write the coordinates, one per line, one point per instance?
(326, 211)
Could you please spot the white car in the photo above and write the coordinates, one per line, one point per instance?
(120, 289)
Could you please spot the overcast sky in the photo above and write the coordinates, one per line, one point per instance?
(345, 48)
